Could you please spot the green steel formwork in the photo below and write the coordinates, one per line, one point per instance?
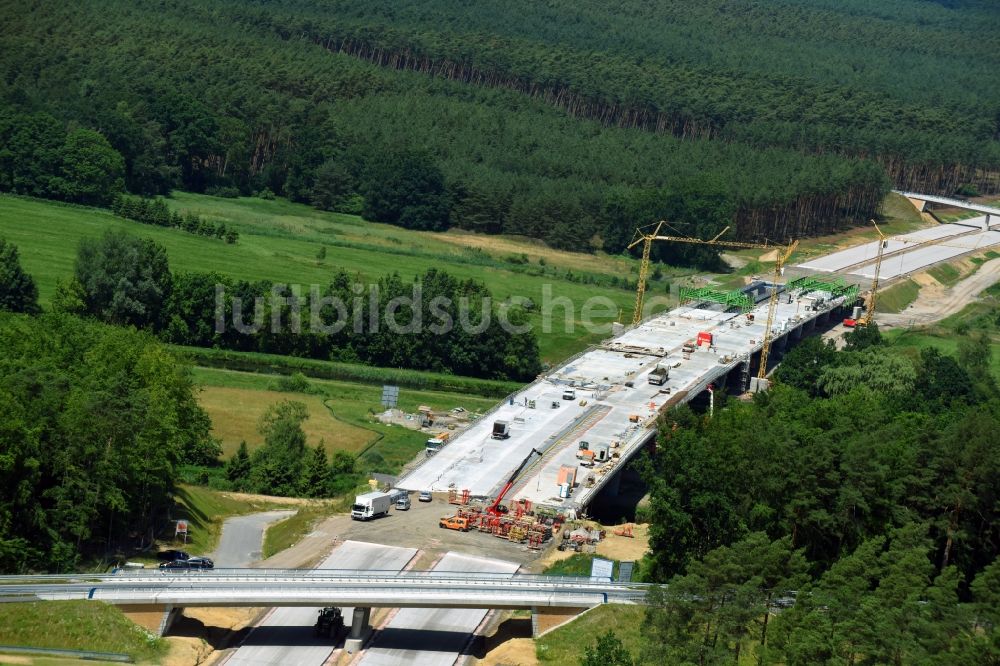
(730, 299)
(835, 285)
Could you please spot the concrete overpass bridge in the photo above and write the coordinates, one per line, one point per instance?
(921, 200)
(156, 596)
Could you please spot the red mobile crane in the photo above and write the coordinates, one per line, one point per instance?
(494, 509)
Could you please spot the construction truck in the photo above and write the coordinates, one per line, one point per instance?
(371, 505)
(501, 430)
(436, 443)
(659, 375)
(454, 523)
(330, 623)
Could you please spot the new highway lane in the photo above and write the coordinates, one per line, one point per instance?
(432, 636)
(286, 636)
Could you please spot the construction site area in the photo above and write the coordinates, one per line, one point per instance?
(544, 453)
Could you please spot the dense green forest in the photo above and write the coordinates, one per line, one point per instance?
(96, 421)
(864, 488)
(906, 81)
(226, 98)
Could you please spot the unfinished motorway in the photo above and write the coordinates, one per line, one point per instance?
(606, 400)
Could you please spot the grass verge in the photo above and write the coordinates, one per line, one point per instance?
(567, 644)
(288, 532)
(946, 274)
(77, 625)
(206, 510)
(899, 296)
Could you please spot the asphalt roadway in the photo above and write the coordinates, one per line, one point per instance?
(242, 536)
(286, 635)
(432, 636)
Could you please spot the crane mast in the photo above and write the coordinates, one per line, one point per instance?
(869, 316)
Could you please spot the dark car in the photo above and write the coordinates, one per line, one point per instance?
(172, 555)
(190, 563)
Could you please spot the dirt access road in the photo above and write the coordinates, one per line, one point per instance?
(935, 302)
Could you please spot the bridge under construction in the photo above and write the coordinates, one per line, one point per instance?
(605, 402)
(592, 414)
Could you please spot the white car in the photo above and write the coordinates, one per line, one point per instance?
(425, 496)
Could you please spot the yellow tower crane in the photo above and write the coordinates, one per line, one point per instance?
(869, 315)
(772, 306)
(782, 255)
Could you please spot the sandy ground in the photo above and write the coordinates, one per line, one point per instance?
(935, 302)
(270, 499)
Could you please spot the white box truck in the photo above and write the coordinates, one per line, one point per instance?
(371, 505)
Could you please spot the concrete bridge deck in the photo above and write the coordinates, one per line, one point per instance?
(315, 588)
(613, 377)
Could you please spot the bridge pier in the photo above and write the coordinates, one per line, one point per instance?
(986, 223)
(156, 618)
(361, 630)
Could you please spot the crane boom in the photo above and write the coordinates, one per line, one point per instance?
(783, 253)
(493, 509)
(869, 315)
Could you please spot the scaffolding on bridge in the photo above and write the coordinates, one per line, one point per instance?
(836, 286)
(730, 299)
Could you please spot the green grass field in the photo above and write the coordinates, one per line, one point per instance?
(349, 407)
(280, 241)
(75, 625)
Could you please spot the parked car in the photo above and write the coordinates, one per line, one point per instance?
(190, 563)
(172, 555)
(425, 496)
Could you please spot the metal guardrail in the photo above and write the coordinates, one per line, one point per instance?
(73, 654)
(307, 587)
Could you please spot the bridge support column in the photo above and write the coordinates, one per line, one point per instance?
(156, 618)
(545, 618)
(361, 629)
(986, 223)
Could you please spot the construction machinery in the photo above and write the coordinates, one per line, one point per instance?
(625, 531)
(454, 523)
(869, 307)
(781, 256)
(495, 509)
(330, 623)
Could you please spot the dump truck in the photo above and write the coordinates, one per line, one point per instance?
(330, 623)
(371, 505)
(454, 523)
(659, 375)
(501, 430)
(436, 443)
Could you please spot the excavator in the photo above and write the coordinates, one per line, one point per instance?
(495, 509)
